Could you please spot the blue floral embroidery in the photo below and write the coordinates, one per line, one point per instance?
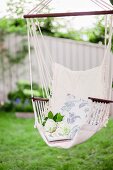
(74, 131)
(72, 118)
(74, 111)
(82, 105)
(70, 104)
(86, 110)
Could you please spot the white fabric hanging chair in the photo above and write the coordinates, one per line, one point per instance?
(82, 97)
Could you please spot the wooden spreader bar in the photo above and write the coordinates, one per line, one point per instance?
(100, 100)
(39, 99)
(91, 98)
(67, 14)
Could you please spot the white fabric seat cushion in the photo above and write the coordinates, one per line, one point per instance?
(82, 84)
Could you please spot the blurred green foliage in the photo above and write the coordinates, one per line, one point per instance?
(19, 99)
(96, 34)
(111, 2)
(13, 25)
(16, 27)
(15, 8)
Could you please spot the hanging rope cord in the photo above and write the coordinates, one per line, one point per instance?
(46, 78)
(40, 60)
(108, 57)
(105, 6)
(106, 64)
(37, 52)
(102, 4)
(40, 7)
(32, 35)
(31, 79)
(106, 61)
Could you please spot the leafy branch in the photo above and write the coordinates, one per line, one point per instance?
(57, 117)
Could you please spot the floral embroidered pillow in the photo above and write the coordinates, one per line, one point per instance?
(75, 112)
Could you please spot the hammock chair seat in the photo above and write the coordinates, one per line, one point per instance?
(86, 127)
(65, 83)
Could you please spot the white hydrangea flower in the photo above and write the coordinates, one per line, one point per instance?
(50, 126)
(63, 129)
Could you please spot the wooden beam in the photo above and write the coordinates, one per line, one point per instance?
(100, 100)
(39, 99)
(67, 14)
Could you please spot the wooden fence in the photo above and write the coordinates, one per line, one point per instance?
(72, 54)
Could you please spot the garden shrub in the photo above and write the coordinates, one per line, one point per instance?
(19, 99)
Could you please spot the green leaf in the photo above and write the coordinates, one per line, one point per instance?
(50, 115)
(58, 117)
(55, 118)
(44, 123)
(45, 118)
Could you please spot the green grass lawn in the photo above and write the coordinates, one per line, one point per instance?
(21, 148)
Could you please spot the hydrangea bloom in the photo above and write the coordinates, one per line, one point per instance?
(50, 126)
(63, 129)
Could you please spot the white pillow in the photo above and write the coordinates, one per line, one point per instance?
(76, 112)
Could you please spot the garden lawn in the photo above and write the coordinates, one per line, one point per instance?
(21, 148)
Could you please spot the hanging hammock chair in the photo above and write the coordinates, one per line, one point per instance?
(75, 104)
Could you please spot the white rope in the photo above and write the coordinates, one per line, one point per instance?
(37, 52)
(45, 5)
(43, 39)
(33, 42)
(92, 112)
(110, 37)
(43, 60)
(95, 113)
(105, 115)
(102, 115)
(102, 107)
(106, 62)
(40, 57)
(107, 4)
(30, 64)
(109, 75)
(99, 106)
(48, 55)
(39, 69)
(35, 114)
(38, 8)
(31, 79)
(103, 4)
(49, 80)
(98, 4)
(105, 42)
